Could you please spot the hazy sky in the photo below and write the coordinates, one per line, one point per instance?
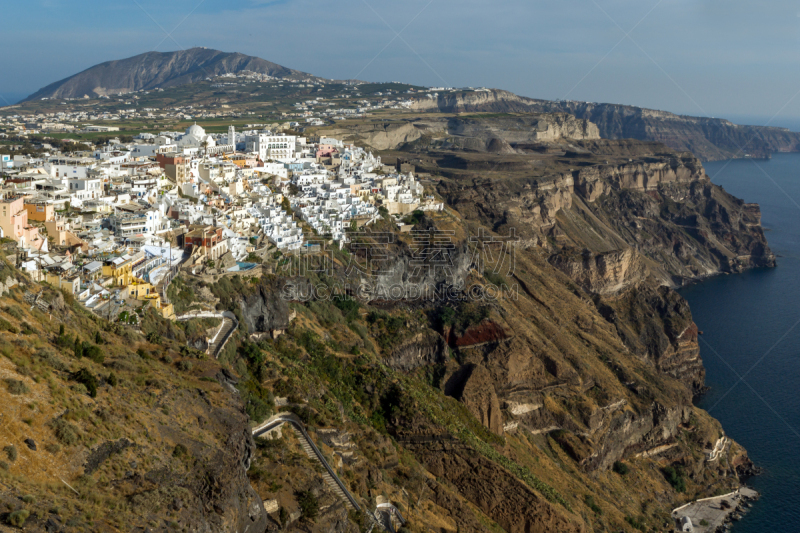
(700, 57)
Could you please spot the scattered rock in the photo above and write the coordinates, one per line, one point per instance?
(103, 452)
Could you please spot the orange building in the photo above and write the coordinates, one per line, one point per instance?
(40, 212)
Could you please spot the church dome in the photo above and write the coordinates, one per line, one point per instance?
(196, 131)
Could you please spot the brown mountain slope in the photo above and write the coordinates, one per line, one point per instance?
(158, 70)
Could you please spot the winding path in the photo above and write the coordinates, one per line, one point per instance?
(222, 336)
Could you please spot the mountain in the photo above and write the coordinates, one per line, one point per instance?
(154, 70)
(710, 139)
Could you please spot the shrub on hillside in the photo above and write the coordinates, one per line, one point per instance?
(87, 379)
(309, 506)
(64, 431)
(17, 518)
(621, 468)
(11, 452)
(16, 386)
(675, 477)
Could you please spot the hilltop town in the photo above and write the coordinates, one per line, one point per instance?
(117, 218)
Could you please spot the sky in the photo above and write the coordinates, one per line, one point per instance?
(721, 58)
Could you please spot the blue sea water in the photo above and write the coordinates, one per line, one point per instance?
(751, 342)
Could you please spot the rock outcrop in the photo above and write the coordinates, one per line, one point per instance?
(708, 138)
(423, 348)
(664, 207)
(473, 385)
(264, 310)
(604, 273)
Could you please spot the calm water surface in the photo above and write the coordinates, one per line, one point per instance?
(751, 325)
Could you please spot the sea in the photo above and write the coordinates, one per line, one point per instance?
(751, 341)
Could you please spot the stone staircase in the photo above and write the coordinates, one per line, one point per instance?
(226, 329)
(386, 515)
(35, 301)
(313, 453)
(304, 442)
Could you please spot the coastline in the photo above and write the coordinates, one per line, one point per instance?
(715, 513)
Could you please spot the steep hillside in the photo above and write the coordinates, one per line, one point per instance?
(159, 70)
(104, 430)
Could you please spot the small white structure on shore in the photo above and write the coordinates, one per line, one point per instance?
(686, 524)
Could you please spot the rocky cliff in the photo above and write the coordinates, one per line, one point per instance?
(500, 135)
(664, 207)
(708, 138)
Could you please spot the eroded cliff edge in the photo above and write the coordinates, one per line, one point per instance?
(570, 388)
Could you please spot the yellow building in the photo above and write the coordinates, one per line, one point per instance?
(146, 292)
(70, 284)
(119, 269)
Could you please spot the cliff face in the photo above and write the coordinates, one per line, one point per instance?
(663, 207)
(521, 129)
(708, 138)
(625, 233)
(263, 310)
(605, 273)
(496, 136)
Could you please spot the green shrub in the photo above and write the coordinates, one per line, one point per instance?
(348, 306)
(16, 386)
(14, 311)
(180, 451)
(17, 518)
(637, 523)
(592, 505)
(11, 452)
(52, 448)
(495, 279)
(415, 217)
(466, 314)
(64, 431)
(185, 366)
(675, 477)
(621, 468)
(29, 498)
(88, 379)
(63, 340)
(309, 506)
(94, 353)
(112, 379)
